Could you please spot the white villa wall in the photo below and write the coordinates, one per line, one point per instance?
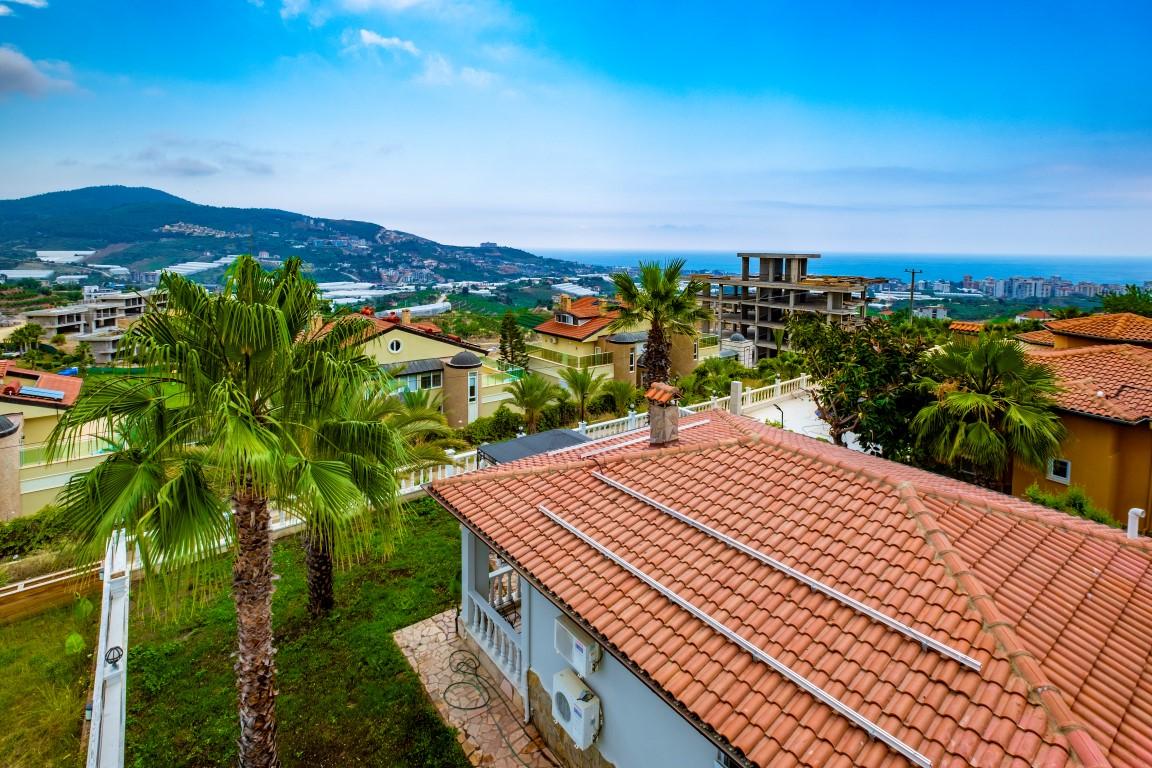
(640, 730)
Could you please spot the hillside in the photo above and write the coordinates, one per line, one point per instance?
(146, 229)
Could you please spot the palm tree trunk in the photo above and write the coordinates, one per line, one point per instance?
(318, 557)
(656, 362)
(255, 656)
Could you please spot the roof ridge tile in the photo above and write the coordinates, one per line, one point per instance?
(1024, 663)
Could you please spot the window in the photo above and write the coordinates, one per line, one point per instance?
(724, 761)
(1060, 470)
(394, 346)
(695, 350)
(430, 380)
(472, 387)
(632, 360)
(566, 318)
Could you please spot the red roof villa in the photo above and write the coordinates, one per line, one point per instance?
(716, 592)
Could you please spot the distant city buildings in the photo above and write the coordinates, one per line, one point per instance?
(1017, 287)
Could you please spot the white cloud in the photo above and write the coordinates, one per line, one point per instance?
(5, 10)
(29, 3)
(19, 74)
(372, 39)
(438, 70)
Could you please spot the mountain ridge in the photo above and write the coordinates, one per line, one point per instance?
(153, 229)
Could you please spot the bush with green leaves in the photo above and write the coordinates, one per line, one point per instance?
(505, 424)
(21, 536)
(1074, 501)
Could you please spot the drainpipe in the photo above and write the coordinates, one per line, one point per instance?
(1134, 516)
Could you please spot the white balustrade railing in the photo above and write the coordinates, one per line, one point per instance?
(614, 426)
(109, 692)
(492, 632)
(411, 482)
(503, 588)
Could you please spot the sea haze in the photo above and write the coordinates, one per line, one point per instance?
(936, 266)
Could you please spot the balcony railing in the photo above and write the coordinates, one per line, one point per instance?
(708, 340)
(502, 378)
(570, 361)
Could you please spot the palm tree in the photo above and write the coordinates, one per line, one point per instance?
(992, 405)
(659, 301)
(245, 374)
(583, 385)
(411, 417)
(532, 393)
(622, 393)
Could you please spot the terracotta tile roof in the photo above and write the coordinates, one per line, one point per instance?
(1121, 326)
(1041, 338)
(16, 379)
(966, 326)
(383, 325)
(662, 393)
(587, 307)
(1112, 381)
(1047, 603)
(1035, 314)
(577, 332)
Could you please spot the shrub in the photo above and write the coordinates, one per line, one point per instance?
(23, 535)
(505, 424)
(560, 414)
(1074, 501)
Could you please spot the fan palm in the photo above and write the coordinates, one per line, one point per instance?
(669, 309)
(412, 418)
(583, 385)
(532, 393)
(992, 405)
(245, 374)
(622, 393)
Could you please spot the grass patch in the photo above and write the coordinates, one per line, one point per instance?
(347, 695)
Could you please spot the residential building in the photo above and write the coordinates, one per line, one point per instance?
(100, 312)
(1117, 328)
(31, 402)
(467, 383)
(966, 327)
(1035, 315)
(1106, 408)
(716, 592)
(757, 302)
(932, 311)
(578, 336)
(103, 344)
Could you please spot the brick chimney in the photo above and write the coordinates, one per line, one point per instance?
(663, 414)
(564, 303)
(405, 317)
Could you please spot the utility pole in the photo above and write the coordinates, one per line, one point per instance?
(912, 291)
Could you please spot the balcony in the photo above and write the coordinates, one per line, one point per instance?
(570, 361)
(708, 340)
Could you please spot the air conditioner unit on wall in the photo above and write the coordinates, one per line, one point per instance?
(575, 708)
(575, 646)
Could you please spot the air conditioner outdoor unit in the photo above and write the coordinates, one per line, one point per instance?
(575, 646)
(575, 708)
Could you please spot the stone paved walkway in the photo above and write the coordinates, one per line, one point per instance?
(485, 711)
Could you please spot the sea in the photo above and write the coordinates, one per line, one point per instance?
(935, 266)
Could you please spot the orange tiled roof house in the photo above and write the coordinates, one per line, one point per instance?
(577, 336)
(742, 595)
(1106, 408)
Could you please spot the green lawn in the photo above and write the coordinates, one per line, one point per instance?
(347, 695)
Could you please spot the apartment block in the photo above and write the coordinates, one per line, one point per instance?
(770, 287)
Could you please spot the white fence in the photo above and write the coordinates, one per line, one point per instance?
(106, 737)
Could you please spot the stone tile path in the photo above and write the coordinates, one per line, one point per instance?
(484, 709)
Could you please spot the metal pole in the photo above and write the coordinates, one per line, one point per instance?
(912, 291)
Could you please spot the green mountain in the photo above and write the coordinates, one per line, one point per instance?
(146, 229)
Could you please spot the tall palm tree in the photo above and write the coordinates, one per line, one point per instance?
(583, 385)
(992, 405)
(411, 418)
(669, 309)
(532, 393)
(245, 373)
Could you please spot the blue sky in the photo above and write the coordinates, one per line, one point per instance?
(989, 127)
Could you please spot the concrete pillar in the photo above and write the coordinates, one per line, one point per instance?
(735, 402)
(10, 466)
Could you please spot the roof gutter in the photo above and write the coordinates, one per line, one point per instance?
(692, 719)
